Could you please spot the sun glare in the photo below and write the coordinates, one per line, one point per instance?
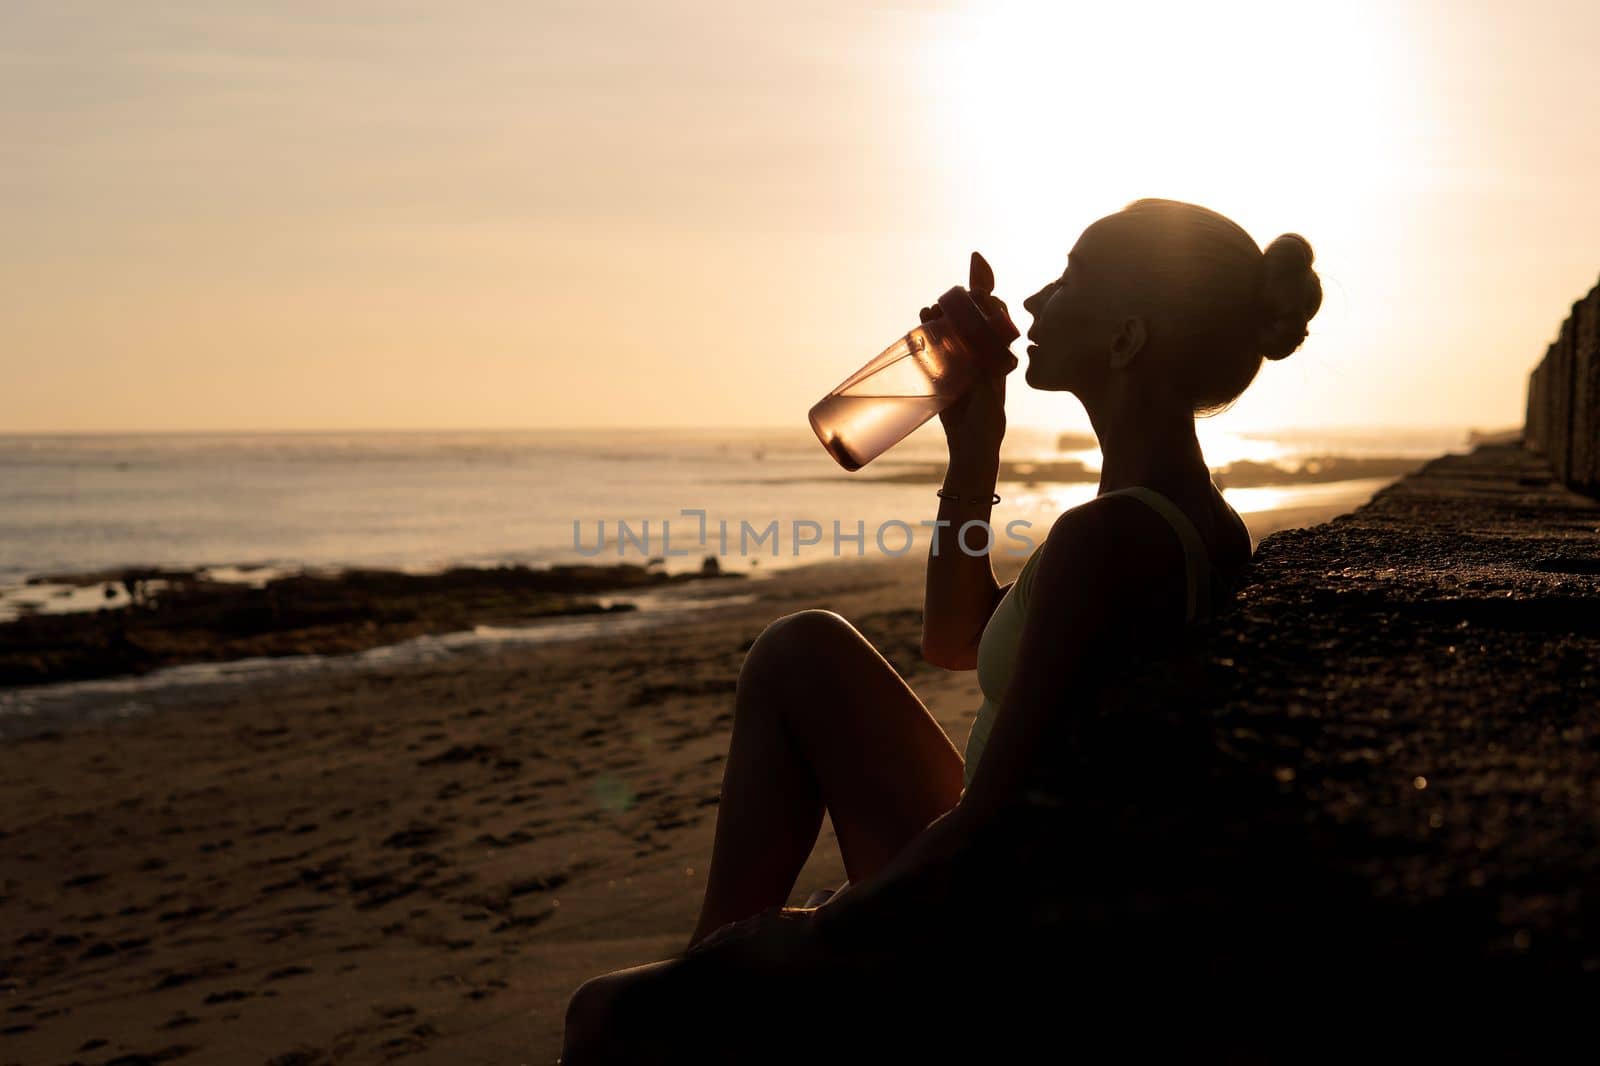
(1280, 116)
(1262, 109)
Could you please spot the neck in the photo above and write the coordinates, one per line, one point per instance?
(1146, 439)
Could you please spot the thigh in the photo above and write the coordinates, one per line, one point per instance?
(884, 765)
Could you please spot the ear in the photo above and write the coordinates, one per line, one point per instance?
(1128, 342)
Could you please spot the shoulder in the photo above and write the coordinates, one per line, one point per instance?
(1080, 532)
(1119, 525)
(1114, 548)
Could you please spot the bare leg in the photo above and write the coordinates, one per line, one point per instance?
(821, 722)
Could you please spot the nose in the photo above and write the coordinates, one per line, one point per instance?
(1034, 304)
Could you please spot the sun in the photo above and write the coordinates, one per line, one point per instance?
(1236, 102)
(1050, 115)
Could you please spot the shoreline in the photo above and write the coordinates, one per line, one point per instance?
(615, 598)
(180, 617)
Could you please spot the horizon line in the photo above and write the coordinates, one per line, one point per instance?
(670, 428)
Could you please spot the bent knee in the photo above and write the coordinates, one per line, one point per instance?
(811, 626)
(798, 639)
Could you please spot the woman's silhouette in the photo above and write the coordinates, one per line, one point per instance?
(1165, 311)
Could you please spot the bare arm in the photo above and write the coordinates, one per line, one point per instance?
(961, 591)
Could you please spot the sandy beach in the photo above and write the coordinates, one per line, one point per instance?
(357, 867)
(421, 859)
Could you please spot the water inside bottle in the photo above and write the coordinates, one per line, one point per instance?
(907, 384)
(855, 429)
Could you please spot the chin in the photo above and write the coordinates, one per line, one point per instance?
(1038, 377)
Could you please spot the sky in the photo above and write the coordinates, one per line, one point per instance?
(356, 215)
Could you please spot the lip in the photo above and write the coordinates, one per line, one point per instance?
(1032, 348)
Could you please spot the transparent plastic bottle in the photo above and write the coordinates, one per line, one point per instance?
(916, 377)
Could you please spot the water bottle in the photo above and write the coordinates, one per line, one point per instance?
(917, 376)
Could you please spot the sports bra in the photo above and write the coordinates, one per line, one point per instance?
(997, 649)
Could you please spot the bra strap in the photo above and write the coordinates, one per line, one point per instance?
(1194, 549)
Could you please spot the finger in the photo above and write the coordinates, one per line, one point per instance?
(998, 371)
(980, 276)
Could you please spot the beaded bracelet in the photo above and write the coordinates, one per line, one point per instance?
(943, 495)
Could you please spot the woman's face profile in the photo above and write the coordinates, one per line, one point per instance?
(1063, 327)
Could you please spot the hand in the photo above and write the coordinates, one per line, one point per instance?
(976, 423)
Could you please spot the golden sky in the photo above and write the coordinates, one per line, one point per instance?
(337, 215)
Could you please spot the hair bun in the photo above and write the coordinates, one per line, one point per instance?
(1290, 295)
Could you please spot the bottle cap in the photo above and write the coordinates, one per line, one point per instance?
(989, 336)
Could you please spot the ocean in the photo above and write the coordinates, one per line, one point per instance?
(250, 505)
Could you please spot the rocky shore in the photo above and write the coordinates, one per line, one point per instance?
(1373, 784)
(1423, 676)
(183, 616)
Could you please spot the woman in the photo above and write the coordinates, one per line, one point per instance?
(1164, 312)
